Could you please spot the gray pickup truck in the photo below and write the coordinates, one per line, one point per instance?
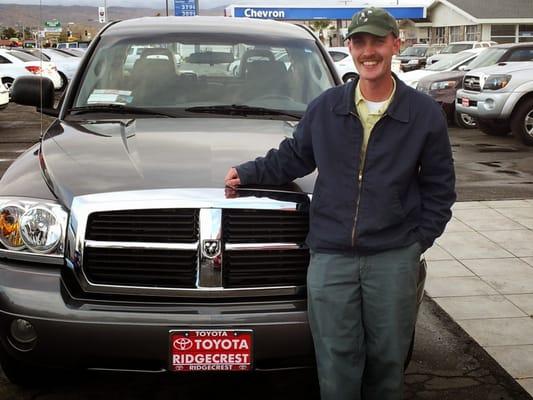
(500, 97)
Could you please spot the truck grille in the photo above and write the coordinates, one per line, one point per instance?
(264, 226)
(147, 251)
(471, 82)
(160, 225)
(265, 268)
(141, 267)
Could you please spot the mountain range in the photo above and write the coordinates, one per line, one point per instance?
(17, 15)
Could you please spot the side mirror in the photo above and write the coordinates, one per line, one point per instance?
(35, 91)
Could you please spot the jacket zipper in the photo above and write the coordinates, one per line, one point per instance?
(362, 163)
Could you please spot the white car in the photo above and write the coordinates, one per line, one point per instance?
(67, 65)
(452, 63)
(15, 63)
(343, 62)
(4, 95)
(456, 47)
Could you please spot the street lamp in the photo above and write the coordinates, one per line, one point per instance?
(167, 7)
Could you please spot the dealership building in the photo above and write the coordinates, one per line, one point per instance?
(438, 21)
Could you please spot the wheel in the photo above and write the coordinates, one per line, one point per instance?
(64, 82)
(8, 82)
(464, 121)
(522, 122)
(349, 76)
(494, 127)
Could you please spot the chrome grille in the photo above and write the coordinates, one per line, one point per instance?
(265, 268)
(264, 226)
(471, 82)
(159, 225)
(223, 248)
(141, 267)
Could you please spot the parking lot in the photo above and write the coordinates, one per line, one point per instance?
(447, 363)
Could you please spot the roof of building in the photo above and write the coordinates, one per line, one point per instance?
(494, 9)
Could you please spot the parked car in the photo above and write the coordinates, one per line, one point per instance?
(117, 230)
(14, 64)
(500, 97)
(343, 62)
(443, 86)
(66, 64)
(452, 63)
(4, 94)
(456, 47)
(414, 57)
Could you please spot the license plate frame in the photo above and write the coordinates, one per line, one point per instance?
(465, 102)
(211, 350)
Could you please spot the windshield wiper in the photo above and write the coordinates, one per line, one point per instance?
(241, 109)
(118, 108)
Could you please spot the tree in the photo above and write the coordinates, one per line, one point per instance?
(319, 26)
(8, 33)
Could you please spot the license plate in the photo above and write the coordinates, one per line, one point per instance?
(465, 102)
(211, 350)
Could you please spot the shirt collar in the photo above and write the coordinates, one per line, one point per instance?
(360, 98)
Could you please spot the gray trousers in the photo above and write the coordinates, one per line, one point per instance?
(362, 312)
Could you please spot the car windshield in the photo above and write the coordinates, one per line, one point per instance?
(487, 57)
(174, 72)
(456, 48)
(450, 62)
(414, 51)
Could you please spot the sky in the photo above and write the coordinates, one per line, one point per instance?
(160, 4)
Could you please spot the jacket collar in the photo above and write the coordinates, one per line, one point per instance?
(398, 108)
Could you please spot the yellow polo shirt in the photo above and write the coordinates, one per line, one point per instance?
(368, 118)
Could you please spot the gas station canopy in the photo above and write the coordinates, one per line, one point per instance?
(310, 13)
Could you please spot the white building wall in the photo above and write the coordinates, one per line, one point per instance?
(441, 15)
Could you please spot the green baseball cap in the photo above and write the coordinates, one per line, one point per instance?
(375, 21)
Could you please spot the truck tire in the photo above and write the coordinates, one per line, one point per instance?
(349, 76)
(494, 127)
(26, 375)
(464, 121)
(522, 122)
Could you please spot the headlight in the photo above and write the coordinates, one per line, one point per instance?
(32, 226)
(496, 82)
(413, 62)
(10, 236)
(40, 229)
(443, 85)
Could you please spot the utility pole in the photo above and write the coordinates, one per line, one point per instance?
(167, 7)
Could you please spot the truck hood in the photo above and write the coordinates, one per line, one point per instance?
(79, 158)
(502, 68)
(443, 76)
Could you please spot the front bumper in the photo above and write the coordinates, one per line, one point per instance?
(483, 105)
(134, 335)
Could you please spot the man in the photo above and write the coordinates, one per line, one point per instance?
(383, 194)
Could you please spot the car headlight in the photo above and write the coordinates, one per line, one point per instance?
(413, 62)
(32, 226)
(496, 82)
(441, 85)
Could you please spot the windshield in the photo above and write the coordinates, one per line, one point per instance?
(487, 57)
(451, 62)
(456, 48)
(414, 51)
(177, 72)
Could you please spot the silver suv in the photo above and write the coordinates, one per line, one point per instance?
(500, 97)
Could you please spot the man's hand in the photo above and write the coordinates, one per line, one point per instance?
(232, 178)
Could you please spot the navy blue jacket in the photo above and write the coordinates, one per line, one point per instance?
(408, 180)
